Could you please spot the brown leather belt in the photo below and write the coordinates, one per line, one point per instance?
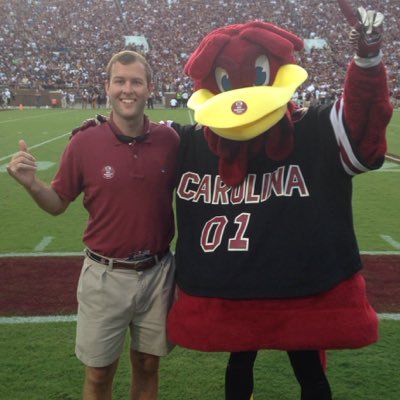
(140, 265)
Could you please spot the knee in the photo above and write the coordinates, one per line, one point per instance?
(143, 363)
(100, 376)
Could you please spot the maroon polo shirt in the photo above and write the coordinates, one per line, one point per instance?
(127, 187)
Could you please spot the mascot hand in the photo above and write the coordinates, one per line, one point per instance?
(87, 123)
(366, 36)
(167, 122)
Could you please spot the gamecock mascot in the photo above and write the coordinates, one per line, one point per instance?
(266, 254)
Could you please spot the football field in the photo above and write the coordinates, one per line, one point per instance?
(40, 262)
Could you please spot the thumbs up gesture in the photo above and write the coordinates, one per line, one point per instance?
(22, 166)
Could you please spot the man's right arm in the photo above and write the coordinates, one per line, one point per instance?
(22, 168)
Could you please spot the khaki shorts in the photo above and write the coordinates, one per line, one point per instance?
(111, 301)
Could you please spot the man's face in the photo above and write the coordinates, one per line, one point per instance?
(128, 90)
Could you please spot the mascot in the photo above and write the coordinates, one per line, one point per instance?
(266, 255)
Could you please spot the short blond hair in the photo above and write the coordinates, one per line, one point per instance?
(126, 57)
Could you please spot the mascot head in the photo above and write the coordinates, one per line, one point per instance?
(245, 76)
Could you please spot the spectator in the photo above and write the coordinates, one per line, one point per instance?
(150, 101)
(38, 45)
(85, 98)
(185, 98)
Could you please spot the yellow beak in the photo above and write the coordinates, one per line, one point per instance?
(245, 113)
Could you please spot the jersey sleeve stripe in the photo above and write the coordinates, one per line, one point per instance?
(350, 163)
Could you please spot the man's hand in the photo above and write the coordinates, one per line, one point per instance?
(97, 120)
(22, 166)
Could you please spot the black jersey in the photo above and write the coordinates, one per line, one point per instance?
(286, 231)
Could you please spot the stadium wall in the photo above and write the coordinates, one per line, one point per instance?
(30, 98)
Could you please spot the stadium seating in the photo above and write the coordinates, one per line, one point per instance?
(51, 45)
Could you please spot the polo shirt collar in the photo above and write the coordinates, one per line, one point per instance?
(144, 137)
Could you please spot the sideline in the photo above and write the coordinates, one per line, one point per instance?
(37, 319)
(72, 318)
(81, 253)
(39, 254)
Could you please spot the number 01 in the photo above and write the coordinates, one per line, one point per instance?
(214, 229)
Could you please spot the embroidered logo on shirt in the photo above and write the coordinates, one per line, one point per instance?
(108, 172)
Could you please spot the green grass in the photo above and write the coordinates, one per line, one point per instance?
(19, 215)
(39, 364)
(393, 134)
(38, 361)
(376, 194)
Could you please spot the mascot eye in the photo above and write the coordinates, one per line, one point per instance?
(262, 71)
(222, 78)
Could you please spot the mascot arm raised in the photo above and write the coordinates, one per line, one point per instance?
(367, 108)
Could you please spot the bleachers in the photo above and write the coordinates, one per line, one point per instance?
(51, 44)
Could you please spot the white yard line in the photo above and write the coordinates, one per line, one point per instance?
(38, 145)
(72, 318)
(80, 253)
(378, 253)
(389, 316)
(31, 117)
(44, 243)
(394, 243)
(37, 319)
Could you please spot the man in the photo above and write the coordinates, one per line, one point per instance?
(85, 98)
(37, 97)
(173, 103)
(150, 101)
(126, 170)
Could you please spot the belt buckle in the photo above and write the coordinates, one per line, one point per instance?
(104, 261)
(145, 263)
(135, 266)
(138, 258)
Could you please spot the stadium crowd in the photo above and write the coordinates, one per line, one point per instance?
(52, 44)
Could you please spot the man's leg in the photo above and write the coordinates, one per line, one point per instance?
(98, 382)
(239, 375)
(144, 376)
(310, 374)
